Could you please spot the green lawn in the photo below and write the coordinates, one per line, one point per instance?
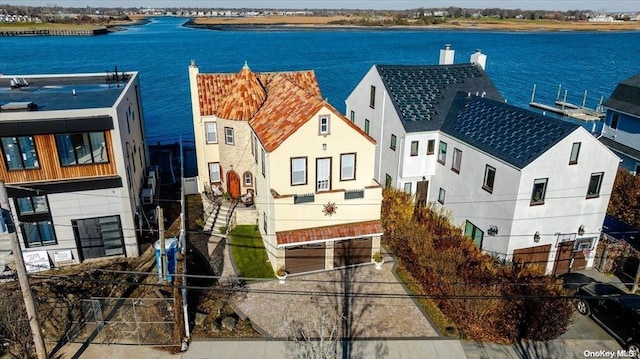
(248, 253)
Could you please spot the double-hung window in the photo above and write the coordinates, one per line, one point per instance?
(347, 166)
(457, 160)
(489, 178)
(20, 152)
(298, 171)
(214, 172)
(539, 191)
(248, 179)
(324, 125)
(82, 148)
(442, 153)
(211, 131)
(593, 190)
(393, 142)
(228, 135)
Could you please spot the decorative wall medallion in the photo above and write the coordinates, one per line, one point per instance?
(329, 209)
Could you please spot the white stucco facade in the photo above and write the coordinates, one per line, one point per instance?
(508, 207)
(276, 196)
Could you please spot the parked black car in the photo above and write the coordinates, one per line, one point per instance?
(615, 310)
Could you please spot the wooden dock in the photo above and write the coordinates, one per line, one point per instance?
(567, 109)
(55, 32)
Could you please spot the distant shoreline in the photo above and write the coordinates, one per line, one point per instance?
(310, 23)
(441, 27)
(328, 23)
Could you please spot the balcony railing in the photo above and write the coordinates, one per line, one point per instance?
(352, 194)
(303, 198)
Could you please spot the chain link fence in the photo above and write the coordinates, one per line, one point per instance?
(138, 321)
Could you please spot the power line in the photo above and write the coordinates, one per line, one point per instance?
(320, 293)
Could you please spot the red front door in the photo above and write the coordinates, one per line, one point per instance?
(233, 184)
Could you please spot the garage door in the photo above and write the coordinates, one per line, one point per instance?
(533, 256)
(305, 258)
(352, 251)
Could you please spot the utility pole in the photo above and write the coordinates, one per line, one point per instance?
(163, 249)
(41, 349)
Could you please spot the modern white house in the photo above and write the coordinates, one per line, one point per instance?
(74, 160)
(312, 170)
(621, 131)
(403, 108)
(523, 186)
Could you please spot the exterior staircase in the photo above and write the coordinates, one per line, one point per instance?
(220, 217)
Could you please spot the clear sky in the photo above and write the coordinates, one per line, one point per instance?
(608, 5)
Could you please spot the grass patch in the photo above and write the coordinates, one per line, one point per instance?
(248, 253)
(443, 323)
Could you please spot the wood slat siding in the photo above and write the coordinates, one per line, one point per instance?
(50, 168)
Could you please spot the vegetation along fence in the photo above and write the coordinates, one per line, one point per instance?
(615, 256)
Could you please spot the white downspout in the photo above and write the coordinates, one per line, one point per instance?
(400, 156)
(384, 96)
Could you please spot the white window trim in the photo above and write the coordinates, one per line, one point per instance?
(321, 125)
(304, 170)
(342, 167)
(213, 180)
(215, 132)
(226, 136)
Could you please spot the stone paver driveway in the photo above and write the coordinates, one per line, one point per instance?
(361, 302)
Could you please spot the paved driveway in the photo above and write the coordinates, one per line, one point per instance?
(360, 302)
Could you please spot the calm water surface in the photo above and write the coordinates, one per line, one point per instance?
(161, 51)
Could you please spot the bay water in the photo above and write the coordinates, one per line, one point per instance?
(162, 50)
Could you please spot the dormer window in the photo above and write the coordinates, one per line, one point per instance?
(324, 125)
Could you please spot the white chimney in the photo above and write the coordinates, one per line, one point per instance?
(479, 58)
(446, 55)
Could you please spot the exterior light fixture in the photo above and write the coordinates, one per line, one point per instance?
(536, 237)
(581, 230)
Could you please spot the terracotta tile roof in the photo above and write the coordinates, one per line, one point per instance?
(287, 108)
(239, 96)
(275, 103)
(329, 232)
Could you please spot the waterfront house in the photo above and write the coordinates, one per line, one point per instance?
(317, 203)
(621, 130)
(523, 186)
(74, 160)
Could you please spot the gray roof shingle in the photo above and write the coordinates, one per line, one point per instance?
(510, 133)
(626, 96)
(619, 147)
(422, 94)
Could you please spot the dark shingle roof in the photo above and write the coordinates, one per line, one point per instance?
(422, 94)
(619, 147)
(510, 133)
(626, 96)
